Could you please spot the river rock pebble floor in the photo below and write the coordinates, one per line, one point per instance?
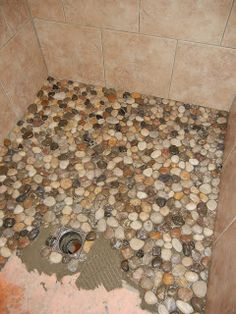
(144, 171)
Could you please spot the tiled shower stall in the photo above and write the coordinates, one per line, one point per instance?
(183, 50)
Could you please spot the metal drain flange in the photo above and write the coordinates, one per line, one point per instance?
(69, 242)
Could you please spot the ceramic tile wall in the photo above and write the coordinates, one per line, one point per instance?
(222, 283)
(182, 49)
(22, 67)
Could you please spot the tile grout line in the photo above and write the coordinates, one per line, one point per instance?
(224, 231)
(11, 103)
(139, 14)
(137, 33)
(172, 72)
(228, 156)
(226, 24)
(103, 58)
(36, 34)
(15, 34)
(63, 8)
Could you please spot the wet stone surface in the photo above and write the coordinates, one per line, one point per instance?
(142, 170)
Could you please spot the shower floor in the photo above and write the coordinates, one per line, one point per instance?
(142, 171)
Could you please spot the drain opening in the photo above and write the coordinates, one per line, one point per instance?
(70, 242)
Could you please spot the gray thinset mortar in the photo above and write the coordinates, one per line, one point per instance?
(101, 268)
(34, 261)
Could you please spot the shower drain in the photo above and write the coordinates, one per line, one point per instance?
(69, 242)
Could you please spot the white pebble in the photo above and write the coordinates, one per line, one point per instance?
(150, 297)
(191, 276)
(142, 145)
(136, 225)
(99, 214)
(5, 252)
(193, 161)
(200, 289)
(101, 225)
(156, 218)
(112, 222)
(147, 172)
(55, 257)
(205, 188)
(136, 244)
(119, 233)
(177, 245)
(211, 204)
(162, 309)
(156, 154)
(184, 307)
(49, 201)
(166, 254)
(141, 195)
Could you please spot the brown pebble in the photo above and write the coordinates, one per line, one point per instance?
(125, 265)
(155, 235)
(91, 236)
(2, 260)
(23, 242)
(175, 232)
(186, 238)
(205, 261)
(7, 142)
(12, 244)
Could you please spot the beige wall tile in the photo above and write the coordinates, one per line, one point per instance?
(71, 51)
(22, 69)
(16, 13)
(222, 283)
(230, 140)
(5, 32)
(226, 210)
(47, 9)
(204, 75)
(138, 62)
(115, 14)
(202, 20)
(229, 39)
(7, 117)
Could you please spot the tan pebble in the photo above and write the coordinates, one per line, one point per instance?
(168, 279)
(18, 227)
(181, 281)
(187, 261)
(135, 201)
(28, 220)
(178, 195)
(87, 246)
(203, 197)
(65, 220)
(143, 216)
(136, 95)
(66, 183)
(185, 294)
(112, 142)
(184, 175)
